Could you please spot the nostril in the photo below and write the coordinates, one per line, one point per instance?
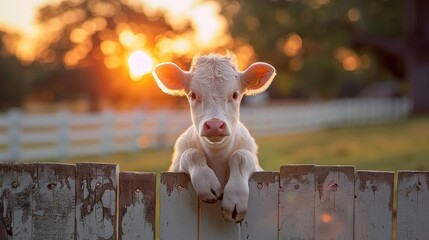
(207, 126)
(222, 126)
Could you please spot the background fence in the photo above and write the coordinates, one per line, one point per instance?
(65, 134)
(96, 201)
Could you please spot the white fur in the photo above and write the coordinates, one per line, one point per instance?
(217, 166)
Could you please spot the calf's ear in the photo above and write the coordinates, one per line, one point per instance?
(170, 78)
(258, 77)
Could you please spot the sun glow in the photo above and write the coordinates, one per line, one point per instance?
(140, 64)
(209, 30)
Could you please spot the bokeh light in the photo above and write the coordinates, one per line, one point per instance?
(140, 64)
(326, 217)
(353, 14)
(292, 45)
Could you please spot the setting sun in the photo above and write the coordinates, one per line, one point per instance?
(140, 63)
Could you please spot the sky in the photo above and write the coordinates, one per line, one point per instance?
(19, 15)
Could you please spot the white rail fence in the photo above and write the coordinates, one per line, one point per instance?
(96, 201)
(64, 134)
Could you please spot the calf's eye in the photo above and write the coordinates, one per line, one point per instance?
(193, 96)
(235, 96)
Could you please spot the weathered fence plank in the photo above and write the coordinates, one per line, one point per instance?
(59, 201)
(213, 226)
(334, 200)
(296, 202)
(413, 205)
(178, 207)
(96, 201)
(374, 205)
(261, 221)
(137, 201)
(16, 195)
(54, 201)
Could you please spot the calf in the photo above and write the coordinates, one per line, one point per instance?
(217, 151)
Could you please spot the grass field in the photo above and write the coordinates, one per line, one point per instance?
(403, 145)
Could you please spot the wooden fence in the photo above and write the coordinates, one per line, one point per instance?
(64, 134)
(96, 201)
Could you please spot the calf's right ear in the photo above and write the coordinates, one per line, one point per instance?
(170, 78)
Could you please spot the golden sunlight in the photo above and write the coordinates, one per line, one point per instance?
(210, 28)
(140, 64)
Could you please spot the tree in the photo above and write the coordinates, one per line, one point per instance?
(88, 43)
(322, 46)
(408, 55)
(16, 80)
(303, 39)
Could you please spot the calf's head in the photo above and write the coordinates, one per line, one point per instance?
(214, 88)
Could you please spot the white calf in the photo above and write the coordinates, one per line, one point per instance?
(217, 151)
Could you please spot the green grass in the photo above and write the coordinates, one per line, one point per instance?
(403, 145)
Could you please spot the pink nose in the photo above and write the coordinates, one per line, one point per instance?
(214, 127)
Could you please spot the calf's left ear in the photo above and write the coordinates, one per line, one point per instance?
(258, 77)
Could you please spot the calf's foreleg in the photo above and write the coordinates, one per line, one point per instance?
(242, 163)
(204, 180)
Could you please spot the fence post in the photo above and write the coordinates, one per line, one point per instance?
(16, 197)
(261, 221)
(296, 202)
(107, 134)
(63, 133)
(136, 129)
(373, 205)
(413, 205)
(406, 107)
(53, 203)
(334, 202)
(137, 204)
(14, 134)
(96, 201)
(178, 207)
(162, 126)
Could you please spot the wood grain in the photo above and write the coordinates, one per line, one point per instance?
(374, 205)
(413, 205)
(261, 221)
(178, 207)
(96, 201)
(296, 202)
(137, 205)
(334, 202)
(54, 201)
(16, 185)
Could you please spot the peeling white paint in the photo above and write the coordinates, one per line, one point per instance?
(5, 204)
(109, 200)
(21, 225)
(40, 212)
(134, 225)
(107, 229)
(85, 190)
(93, 184)
(94, 224)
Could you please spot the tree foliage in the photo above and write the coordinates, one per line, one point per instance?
(311, 42)
(89, 44)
